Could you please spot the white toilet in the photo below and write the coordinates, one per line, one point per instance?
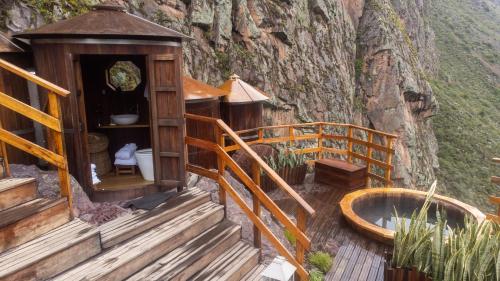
(145, 161)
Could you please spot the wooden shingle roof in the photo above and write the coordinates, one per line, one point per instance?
(241, 92)
(105, 21)
(197, 90)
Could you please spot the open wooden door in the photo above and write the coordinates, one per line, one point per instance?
(167, 119)
(83, 165)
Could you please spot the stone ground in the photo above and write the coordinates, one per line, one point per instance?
(48, 187)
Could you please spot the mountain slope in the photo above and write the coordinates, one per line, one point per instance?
(467, 87)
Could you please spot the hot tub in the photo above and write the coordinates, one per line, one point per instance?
(372, 211)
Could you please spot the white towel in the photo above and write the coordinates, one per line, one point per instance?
(95, 179)
(126, 152)
(128, 162)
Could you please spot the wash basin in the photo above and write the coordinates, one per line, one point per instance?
(125, 119)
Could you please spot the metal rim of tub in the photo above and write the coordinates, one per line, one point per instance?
(386, 235)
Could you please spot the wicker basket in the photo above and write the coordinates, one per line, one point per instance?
(97, 142)
(102, 162)
(98, 150)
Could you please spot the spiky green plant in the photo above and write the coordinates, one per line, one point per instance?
(316, 275)
(285, 158)
(412, 243)
(471, 253)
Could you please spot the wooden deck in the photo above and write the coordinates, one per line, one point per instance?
(355, 256)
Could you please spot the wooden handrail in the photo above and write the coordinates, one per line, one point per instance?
(30, 112)
(56, 152)
(270, 172)
(259, 197)
(350, 139)
(33, 78)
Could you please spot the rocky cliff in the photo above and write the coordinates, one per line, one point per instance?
(337, 60)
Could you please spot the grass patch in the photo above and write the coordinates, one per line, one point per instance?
(316, 275)
(290, 237)
(320, 260)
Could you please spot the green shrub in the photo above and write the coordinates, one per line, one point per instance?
(316, 275)
(321, 260)
(290, 237)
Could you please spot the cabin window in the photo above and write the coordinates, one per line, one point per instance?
(123, 76)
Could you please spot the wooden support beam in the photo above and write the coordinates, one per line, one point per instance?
(369, 156)
(349, 145)
(57, 138)
(5, 157)
(257, 240)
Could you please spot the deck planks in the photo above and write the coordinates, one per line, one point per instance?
(355, 256)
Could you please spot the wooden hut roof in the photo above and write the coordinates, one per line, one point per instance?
(8, 46)
(197, 90)
(241, 92)
(109, 21)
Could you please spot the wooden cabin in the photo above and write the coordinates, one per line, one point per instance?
(116, 63)
(242, 108)
(202, 99)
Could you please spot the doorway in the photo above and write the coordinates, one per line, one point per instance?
(116, 112)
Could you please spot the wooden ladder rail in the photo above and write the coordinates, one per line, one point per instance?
(259, 197)
(350, 138)
(56, 153)
(494, 199)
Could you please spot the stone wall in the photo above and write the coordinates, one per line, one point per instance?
(334, 60)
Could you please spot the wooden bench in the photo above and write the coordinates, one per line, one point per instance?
(340, 173)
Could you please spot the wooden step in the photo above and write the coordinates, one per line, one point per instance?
(130, 225)
(130, 256)
(29, 220)
(51, 253)
(232, 265)
(15, 191)
(255, 273)
(185, 261)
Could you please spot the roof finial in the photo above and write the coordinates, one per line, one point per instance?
(234, 77)
(110, 5)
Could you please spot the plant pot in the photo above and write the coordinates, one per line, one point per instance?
(291, 175)
(403, 274)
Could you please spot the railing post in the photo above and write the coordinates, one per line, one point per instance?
(260, 133)
(388, 160)
(4, 156)
(320, 141)
(57, 138)
(301, 225)
(291, 135)
(257, 239)
(349, 144)
(221, 166)
(369, 155)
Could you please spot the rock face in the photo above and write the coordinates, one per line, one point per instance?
(395, 46)
(303, 53)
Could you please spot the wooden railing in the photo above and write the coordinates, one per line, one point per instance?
(55, 154)
(495, 200)
(259, 197)
(355, 143)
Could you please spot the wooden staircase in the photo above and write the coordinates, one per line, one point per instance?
(186, 238)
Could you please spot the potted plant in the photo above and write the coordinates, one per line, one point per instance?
(291, 167)
(439, 253)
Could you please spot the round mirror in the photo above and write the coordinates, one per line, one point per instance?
(123, 75)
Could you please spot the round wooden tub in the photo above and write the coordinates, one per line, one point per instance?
(371, 211)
